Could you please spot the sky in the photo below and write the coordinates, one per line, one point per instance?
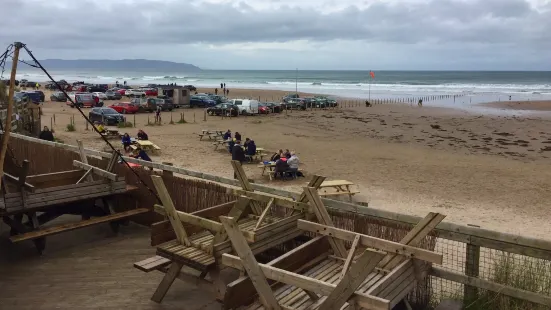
(286, 34)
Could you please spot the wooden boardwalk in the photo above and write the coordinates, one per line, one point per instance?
(88, 269)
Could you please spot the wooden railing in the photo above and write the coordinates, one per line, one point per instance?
(473, 237)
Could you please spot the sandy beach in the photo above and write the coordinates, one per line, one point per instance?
(542, 105)
(490, 171)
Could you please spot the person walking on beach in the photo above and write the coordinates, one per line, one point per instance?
(227, 92)
(158, 115)
(216, 91)
(124, 83)
(221, 85)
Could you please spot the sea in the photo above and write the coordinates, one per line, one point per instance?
(469, 87)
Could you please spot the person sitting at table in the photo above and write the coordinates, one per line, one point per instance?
(230, 145)
(141, 154)
(293, 162)
(247, 140)
(237, 154)
(237, 136)
(287, 154)
(142, 135)
(100, 127)
(281, 167)
(277, 155)
(227, 135)
(126, 142)
(251, 148)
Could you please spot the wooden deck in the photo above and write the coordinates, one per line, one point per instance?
(88, 269)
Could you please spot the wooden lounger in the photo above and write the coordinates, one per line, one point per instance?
(373, 274)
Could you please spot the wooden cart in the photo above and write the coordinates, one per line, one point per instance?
(44, 197)
(321, 274)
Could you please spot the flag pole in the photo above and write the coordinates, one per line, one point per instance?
(296, 81)
(370, 78)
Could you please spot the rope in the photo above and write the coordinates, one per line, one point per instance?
(39, 65)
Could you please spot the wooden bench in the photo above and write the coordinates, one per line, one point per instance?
(257, 157)
(340, 187)
(271, 174)
(322, 274)
(198, 240)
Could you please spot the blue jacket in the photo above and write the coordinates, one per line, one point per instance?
(251, 148)
(143, 156)
(126, 140)
(227, 135)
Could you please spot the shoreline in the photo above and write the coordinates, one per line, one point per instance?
(536, 105)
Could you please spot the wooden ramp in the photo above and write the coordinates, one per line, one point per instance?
(87, 191)
(321, 274)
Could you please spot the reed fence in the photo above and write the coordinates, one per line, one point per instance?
(484, 269)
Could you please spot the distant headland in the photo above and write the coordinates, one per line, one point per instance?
(114, 65)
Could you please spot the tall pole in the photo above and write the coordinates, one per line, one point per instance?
(296, 82)
(370, 78)
(7, 127)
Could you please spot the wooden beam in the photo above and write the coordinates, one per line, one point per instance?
(352, 280)
(264, 213)
(390, 278)
(245, 185)
(96, 170)
(250, 264)
(381, 244)
(23, 174)
(16, 180)
(314, 182)
(265, 197)
(84, 176)
(112, 161)
(323, 217)
(307, 283)
(195, 220)
(54, 176)
(350, 255)
(491, 286)
(84, 160)
(181, 234)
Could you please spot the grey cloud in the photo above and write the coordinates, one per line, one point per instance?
(505, 22)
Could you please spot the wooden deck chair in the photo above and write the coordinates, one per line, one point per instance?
(319, 280)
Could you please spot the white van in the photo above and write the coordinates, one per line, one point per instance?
(246, 106)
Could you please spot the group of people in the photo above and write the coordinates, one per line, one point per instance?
(248, 147)
(139, 152)
(286, 163)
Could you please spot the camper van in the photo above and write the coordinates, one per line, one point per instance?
(246, 106)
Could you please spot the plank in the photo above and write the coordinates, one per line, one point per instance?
(167, 281)
(54, 176)
(96, 170)
(171, 210)
(265, 197)
(152, 263)
(390, 278)
(195, 220)
(352, 279)
(324, 218)
(350, 255)
(72, 226)
(333, 183)
(306, 283)
(372, 242)
(264, 213)
(315, 182)
(249, 263)
(84, 160)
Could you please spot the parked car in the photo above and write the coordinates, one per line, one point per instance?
(190, 87)
(106, 115)
(201, 101)
(58, 97)
(85, 100)
(165, 104)
(113, 95)
(290, 96)
(36, 96)
(100, 95)
(309, 102)
(125, 107)
(134, 93)
(98, 88)
(263, 109)
(218, 98)
(150, 92)
(274, 107)
(223, 109)
(40, 94)
(246, 106)
(20, 97)
(295, 104)
(144, 105)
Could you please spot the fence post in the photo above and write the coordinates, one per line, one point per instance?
(472, 267)
(86, 122)
(54, 118)
(204, 116)
(51, 124)
(165, 172)
(134, 120)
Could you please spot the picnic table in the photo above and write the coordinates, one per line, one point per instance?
(270, 165)
(218, 143)
(211, 134)
(144, 144)
(340, 187)
(111, 133)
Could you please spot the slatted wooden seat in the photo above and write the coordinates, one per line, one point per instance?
(321, 274)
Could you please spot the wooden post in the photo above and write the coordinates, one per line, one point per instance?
(54, 118)
(134, 120)
(472, 266)
(204, 119)
(204, 116)
(7, 127)
(86, 125)
(51, 124)
(165, 172)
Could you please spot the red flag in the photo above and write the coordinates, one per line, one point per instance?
(372, 74)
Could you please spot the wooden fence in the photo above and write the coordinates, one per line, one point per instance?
(473, 257)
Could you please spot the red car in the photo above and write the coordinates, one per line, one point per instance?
(263, 109)
(151, 92)
(125, 107)
(121, 91)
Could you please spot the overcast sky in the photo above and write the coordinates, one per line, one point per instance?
(286, 34)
